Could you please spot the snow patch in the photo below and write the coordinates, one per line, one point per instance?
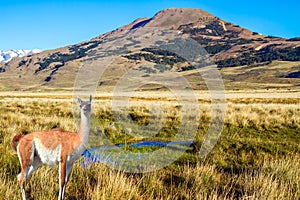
(7, 55)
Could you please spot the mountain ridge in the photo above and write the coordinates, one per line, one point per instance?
(229, 45)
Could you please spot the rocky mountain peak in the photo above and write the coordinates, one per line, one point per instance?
(175, 17)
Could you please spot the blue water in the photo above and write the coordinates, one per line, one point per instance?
(102, 154)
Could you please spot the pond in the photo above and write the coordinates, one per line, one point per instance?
(107, 154)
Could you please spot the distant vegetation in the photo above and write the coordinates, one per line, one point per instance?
(217, 48)
(187, 68)
(230, 38)
(158, 56)
(293, 75)
(216, 29)
(268, 53)
(294, 39)
(249, 57)
(77, 51)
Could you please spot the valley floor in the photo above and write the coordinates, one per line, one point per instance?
(255, 157)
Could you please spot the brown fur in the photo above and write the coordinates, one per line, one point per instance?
(52, 138)
(32, 148)
(15, 141)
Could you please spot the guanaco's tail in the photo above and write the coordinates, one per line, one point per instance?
(15, 141)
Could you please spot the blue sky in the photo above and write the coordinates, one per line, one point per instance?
(29, 24)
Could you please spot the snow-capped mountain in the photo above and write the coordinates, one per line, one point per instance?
(7, 55)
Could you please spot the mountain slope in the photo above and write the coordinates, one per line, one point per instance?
(228, 45)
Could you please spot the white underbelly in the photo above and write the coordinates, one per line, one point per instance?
(48, 156)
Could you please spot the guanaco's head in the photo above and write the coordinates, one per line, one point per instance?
(85, 106)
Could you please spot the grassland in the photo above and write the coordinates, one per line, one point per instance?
(256, 156)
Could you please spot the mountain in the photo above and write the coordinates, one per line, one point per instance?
(229, 44)
(6, 56)
(259, 59)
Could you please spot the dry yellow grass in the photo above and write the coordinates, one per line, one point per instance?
(256, 157)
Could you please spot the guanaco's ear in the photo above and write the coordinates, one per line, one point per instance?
(79, 100)
(90, 98)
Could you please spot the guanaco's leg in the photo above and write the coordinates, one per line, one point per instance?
(68, 171)
(25, 155)
(62, 179)
(22, 180)
(34, 166)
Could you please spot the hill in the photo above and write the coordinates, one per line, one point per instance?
(276, 60)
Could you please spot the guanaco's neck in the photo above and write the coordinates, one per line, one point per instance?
(84, 129)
